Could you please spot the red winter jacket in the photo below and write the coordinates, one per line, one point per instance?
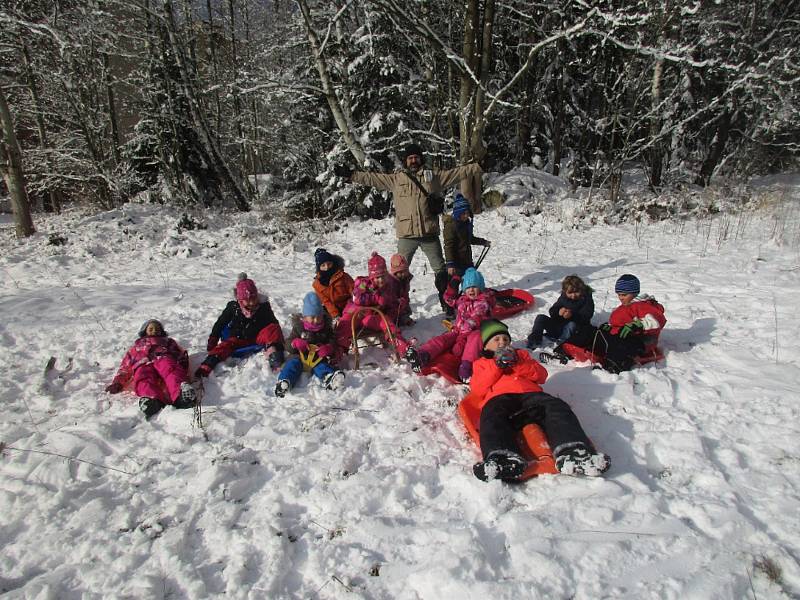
(644, 309)
(147, 349)
(489, 380)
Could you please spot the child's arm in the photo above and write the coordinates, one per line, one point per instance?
(529, 368)
(586, 311)
(363, 292)
(557, 306)
(178, 353)
(485, 373)
(224, 319)
(123, 375)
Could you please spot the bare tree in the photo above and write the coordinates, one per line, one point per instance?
(11, 166)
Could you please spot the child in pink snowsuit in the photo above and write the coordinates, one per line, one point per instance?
(464, 339)
(400, 277)
(159, 369)
(373, 290)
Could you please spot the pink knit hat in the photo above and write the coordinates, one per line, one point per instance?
(397, 264)
(245, 288)
(376, 266)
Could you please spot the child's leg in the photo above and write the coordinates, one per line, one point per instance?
(620, 352)
(559, 424)
(173, 375)
(147, 383)
(291, 371)
(540, 323)
(567, 331)
(343, 333)
(439, 344)
(497, 430)
(322, 369)
(473, 347)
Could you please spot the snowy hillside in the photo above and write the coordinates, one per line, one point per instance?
(368, 492)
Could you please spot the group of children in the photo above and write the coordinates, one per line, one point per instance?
(507, 380)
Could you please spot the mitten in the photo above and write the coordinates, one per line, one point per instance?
(300, 345)
(114, 387)
(629, 328)
(325, 350)
(212, 342)
(505, 357)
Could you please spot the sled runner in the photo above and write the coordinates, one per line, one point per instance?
(365, 338)
(533, 443)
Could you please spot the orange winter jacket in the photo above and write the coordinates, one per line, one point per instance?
(335, 295)
(489, 380)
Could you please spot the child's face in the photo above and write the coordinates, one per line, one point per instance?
(572, 294)
(327, 265)
(625, 298)
(379, 280)
(464, 216)
(249, 303)
(313, 320)
(472, 292)
(152, 329)
(402, 275)
(497, 341)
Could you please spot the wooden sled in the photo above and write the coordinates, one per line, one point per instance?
(532, 442)
(365, 338)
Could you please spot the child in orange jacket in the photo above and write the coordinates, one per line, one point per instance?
(331, 283)
(508, 382)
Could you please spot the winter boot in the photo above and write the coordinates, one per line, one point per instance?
(333, 381)
(188, 397)
(149, 406)
(282, 387)
(534, 341)
(557, 354)
(578, 460)
(417, 359)
(500, 464)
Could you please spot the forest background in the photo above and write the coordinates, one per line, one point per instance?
(245, 103)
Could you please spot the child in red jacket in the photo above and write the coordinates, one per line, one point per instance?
(508, 382)
(632, 329)
(158, 367)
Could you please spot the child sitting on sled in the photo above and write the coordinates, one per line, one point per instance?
(459, 237)
(572, 311)
(400, 278)
(508, 381)
(249, 321)
(311, 344)
(331, 283)
(632, 329)
(159, 369)
(376, 291)
(463, 339)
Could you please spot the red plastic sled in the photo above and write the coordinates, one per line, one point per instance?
(579, 354)
(533, 443)
(446, 365)
(511, 302)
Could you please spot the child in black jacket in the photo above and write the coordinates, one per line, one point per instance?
(572, 311)
(249, 320)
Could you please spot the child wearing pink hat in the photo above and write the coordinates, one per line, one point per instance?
(400, 277)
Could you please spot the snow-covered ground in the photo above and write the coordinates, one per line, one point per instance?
(368, 492)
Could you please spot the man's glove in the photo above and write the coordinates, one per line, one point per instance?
(454, 283)
(212, 342)
(343, 171)
(634, 327)
(114, 387)
(300, 345)
(505, 357)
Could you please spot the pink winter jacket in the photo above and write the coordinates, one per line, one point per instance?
(470, 313)
(366, 293)
(147, 349)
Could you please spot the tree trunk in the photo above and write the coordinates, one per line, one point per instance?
(327, 88)
(656, 153)
(715, 152)
(11, 165)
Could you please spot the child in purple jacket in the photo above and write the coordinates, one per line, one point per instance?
(159, 369)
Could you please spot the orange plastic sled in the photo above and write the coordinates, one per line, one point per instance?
(445, 365)
(533, 443)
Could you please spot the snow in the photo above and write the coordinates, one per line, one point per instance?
(368, 491)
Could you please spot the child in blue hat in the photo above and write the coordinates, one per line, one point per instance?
(312, 345)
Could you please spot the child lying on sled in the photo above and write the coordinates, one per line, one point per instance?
(508, 381)
(311, 343)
